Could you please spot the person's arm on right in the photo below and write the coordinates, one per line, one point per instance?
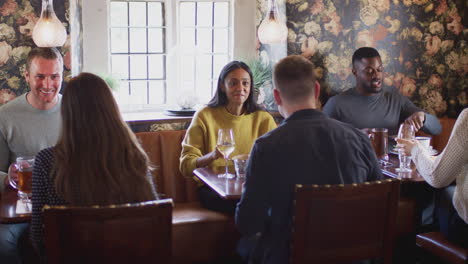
(447, 166)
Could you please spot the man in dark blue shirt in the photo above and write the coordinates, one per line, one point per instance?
(307, 148)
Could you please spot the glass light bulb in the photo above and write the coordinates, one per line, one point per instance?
(49, 31)
(272, 30)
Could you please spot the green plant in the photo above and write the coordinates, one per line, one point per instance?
(111, 80)
(261, 72)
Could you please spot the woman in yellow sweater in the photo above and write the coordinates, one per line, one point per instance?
(232, 106)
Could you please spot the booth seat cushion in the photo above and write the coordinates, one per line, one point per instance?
(199, 235)
(438, 245)
(163, 149)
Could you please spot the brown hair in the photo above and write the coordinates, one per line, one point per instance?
(98, 159)
(294, 78)
(46, 53)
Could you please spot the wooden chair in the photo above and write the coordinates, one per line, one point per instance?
(129, 233)
(437, 245)
(344, 223)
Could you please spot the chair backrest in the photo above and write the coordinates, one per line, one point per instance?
(344, 223)
(439, 142)
(129, 233)
(163, 149)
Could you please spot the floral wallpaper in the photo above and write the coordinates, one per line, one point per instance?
(423, 45)
(17, 20)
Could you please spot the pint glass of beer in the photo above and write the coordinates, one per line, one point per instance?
(20, 176)
(379, 140)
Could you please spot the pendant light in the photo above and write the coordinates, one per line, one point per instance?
(272, 30)
(49, 31)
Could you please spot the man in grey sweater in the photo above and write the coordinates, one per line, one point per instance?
(368, 105)
(28, 124)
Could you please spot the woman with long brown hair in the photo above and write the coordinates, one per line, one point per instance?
(97, 159)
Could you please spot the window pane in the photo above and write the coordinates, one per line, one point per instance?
(204, 14)
(118, 14)
(138, 92)
(187, 39)
(203, 68)
(204, 39)
(155, 40)
(119, 40)
(155, 14)
(221, 14)
(187, 14)
(220, 40)
(156, 66)
(214, 87)
(157, 92)
(121, 95)
(218, 63)
(119, 65)
(187, 68)
(204, 91)
(137, 40)
(138, 67)
(137, 14)
(187, 86)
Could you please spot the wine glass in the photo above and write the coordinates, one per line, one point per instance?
(225, 145)
(406, 131)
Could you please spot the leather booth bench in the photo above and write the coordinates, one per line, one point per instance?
(198, 234)
(439, 142)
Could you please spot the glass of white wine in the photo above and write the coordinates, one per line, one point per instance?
(225, 145)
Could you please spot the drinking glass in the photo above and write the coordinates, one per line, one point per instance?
(406, 131)
(225, 145)
(20, 177)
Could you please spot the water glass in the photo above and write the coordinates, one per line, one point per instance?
(406, 131)
(240, 165)
(405, 162)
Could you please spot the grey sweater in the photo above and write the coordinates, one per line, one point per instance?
(384, 110)
(25, 130)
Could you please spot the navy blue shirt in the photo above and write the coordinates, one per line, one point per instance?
(386, 109)
(307, 148)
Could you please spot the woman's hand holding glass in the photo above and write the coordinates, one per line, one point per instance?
(406, 132)
(225, 144)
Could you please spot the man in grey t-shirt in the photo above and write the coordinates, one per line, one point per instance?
(368, 105)
(28, 124)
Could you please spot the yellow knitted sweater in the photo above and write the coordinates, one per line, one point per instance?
(203, 132)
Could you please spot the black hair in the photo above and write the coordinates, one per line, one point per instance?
(364, 52)
(220, 97)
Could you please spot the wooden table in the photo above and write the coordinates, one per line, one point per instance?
(232, 188)
(226, 188)
(8, 215)
(390, 171)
